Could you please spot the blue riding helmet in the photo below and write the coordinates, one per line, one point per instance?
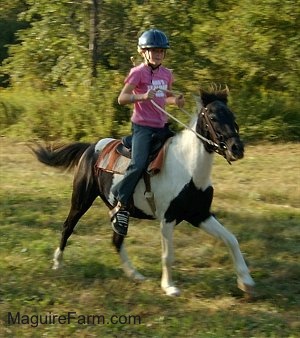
(153, 38)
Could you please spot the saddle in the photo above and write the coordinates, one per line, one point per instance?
(116, 155)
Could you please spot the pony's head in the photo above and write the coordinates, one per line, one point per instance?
(216, 122)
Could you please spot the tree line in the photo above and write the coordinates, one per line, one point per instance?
(63, 62)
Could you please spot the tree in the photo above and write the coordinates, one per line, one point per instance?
(8, 27)
(94, 35)
(84, 47)
(53, 50)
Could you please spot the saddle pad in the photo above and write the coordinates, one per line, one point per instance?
(110, 160)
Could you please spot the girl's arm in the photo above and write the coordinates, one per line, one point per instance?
(126, 96)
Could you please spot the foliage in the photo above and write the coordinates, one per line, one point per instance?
(58, 115)
(53, 49)
(251, 46)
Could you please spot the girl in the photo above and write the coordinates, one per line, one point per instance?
(148, 81)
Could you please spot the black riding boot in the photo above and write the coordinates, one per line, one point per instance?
(119, 219)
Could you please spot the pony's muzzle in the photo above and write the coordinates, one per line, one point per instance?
(236, 150)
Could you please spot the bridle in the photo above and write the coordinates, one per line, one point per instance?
(216, 143)
(217, 139)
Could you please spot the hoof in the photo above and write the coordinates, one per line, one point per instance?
(247, 288)
(172, 291)
(136, 276)
(56, 265)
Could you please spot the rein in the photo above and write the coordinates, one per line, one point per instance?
(218, 147)
(186, 126)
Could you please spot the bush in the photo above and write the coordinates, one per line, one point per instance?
(267, 116)
(90, 115)
(60, 115)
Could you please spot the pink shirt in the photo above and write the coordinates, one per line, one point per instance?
(144, 78)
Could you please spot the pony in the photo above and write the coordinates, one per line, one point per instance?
(181, 190)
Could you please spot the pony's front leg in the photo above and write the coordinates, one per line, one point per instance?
(127, 266)
(216, 229)
(167, 259)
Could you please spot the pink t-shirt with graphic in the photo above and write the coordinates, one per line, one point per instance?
(144, 78)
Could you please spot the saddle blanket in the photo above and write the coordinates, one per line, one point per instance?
(110, 160)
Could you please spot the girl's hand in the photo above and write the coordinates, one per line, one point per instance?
(180, 101)
(150, 94)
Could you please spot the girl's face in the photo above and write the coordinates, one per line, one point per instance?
(154, 56)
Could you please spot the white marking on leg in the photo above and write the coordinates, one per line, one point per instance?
(127, 266)
(57, 259)
(217, 230)
(167, 259)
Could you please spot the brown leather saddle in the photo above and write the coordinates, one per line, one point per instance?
(116, 155)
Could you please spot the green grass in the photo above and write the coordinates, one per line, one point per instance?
(256, 198)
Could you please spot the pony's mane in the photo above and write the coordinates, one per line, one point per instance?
(215, 92)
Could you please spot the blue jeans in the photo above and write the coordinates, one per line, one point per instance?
(142, 138)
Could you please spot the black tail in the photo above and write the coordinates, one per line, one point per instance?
(64, 156)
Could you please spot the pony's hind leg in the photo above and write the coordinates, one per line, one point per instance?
(214, 228)
(128, 268)
(82, 198)
(68, 227)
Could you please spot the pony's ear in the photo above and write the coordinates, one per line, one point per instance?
(205, 97)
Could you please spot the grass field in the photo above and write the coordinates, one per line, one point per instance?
(257, 198)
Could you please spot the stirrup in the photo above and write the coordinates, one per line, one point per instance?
(119, 222)
(113, 211)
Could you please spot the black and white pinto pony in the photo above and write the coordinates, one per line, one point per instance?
(182, 189)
